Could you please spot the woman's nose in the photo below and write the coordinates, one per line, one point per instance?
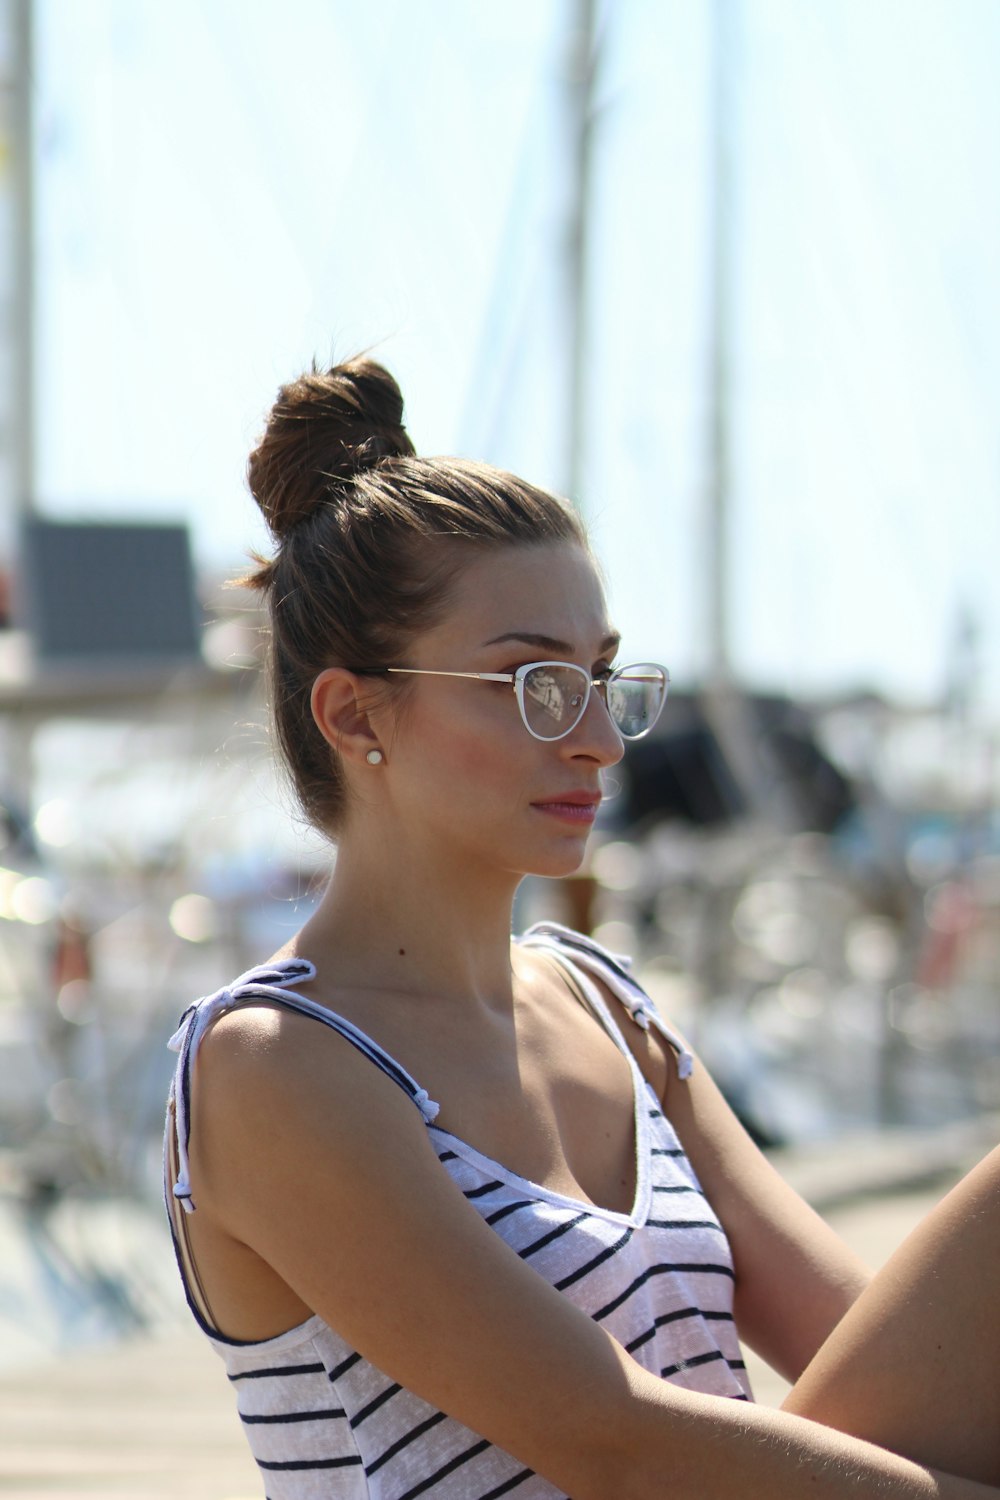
(596, 735)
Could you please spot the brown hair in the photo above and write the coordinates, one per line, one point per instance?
(364, 559)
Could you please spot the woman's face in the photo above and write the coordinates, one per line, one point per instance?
(462, 772)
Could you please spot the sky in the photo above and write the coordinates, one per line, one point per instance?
(227, 189)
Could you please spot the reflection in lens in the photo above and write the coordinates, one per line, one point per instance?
(553, 699)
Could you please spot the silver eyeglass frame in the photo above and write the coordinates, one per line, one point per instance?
(518, 680)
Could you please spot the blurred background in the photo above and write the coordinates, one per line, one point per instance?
(722, 271)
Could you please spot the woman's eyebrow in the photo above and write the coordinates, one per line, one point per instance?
(548, 642)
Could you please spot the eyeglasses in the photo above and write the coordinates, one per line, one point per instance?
(553, 695)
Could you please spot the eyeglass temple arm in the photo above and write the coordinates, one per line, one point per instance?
(511, 677)
(431, 672)
(662, 677)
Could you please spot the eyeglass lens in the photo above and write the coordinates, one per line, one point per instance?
(555, 697)
(635, 699)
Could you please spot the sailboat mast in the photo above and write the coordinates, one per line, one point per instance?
(581, 74)
(17, 381)
(720, 318)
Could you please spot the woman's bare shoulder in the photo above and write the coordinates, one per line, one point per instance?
(270, 1048)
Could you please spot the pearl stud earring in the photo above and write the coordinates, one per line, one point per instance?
(374, 757)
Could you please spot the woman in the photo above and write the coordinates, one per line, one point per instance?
(469, 1222)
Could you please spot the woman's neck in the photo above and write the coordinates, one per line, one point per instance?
(423, 925)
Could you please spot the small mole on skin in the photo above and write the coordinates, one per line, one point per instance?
(402, 952)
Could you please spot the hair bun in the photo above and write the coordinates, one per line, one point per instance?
(324, 428)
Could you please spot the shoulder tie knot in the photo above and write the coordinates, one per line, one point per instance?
(426, 1105)
(185, 1041)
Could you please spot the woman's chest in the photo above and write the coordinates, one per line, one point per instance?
(550, 1099)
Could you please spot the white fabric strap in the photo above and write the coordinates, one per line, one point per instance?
(614, 969)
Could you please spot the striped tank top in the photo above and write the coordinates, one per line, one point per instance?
(322, 1421)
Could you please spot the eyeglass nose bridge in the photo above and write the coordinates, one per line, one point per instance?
(597, 688)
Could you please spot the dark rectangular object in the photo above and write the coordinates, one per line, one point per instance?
(107, 594)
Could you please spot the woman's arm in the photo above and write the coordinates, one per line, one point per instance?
(916, 1362)
(795, 1276)
(323, 1167)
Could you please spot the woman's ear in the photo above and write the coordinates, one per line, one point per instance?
(336, 702)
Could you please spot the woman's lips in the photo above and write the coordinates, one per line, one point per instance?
(572, 807)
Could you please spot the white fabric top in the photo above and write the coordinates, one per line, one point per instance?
(324, 1422)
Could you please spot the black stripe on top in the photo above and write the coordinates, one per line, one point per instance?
(676, 1317)
(316, 1369)
(297, 1464)
(553, 1234)
(405, 1441)
(364, 1412)
(508, 1485)
(446, 1469)
(594, 1262)
(480, 1192)
(508, 1208)
(685, 1224)
(343, 1367)
(333, 1413)
(693, 1363)
(663, 1268)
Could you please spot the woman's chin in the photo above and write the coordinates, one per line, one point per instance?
(561, 863)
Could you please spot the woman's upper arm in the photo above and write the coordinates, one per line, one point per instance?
(795, 1276)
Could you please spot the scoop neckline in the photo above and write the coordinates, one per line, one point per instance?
(633, 1217)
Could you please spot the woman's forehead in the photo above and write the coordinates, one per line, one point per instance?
(549, 594)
